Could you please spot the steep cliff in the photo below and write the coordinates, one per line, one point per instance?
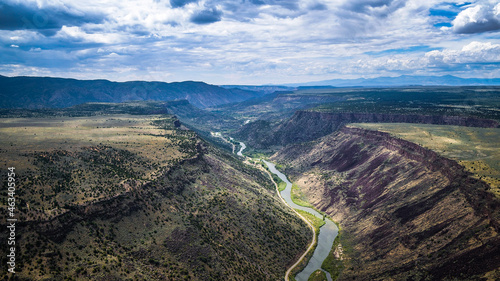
(405, 211)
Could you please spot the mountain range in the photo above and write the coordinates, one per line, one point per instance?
(403, 80)
(48, 92)
(45, 92)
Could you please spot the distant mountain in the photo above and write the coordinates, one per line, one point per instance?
(267, 89)
(404, 80)
(45, 92)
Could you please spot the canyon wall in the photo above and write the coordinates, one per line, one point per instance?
(310, 125)
(404, 211)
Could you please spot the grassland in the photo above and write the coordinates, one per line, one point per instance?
(281, 186)
(136, 133)
(476, 149)
(70, 161)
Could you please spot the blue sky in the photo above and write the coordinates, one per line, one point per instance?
(248, 41)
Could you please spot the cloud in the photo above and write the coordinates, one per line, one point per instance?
(181, 3)
(16, 16)
(317, 6)
(480, 18)
(379, 8)
(207, 16)
(292, 5)
(474, 52)
(76, 34)
(253, 41)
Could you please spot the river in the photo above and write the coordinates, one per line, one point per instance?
(327, 232)
(243, 146)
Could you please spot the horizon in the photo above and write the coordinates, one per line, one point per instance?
(302, 84)
(249, 43)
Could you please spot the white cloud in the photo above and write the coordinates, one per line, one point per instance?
(77, 34)
(474, 52)
(270, 43)
(479, 18)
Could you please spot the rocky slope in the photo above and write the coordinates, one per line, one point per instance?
(44, 92)
(310, 125)
(405, 211)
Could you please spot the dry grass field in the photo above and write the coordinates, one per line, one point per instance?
(66, 161)
(131, 132)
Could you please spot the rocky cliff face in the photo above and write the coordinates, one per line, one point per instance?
(310, 125)
(405, 211)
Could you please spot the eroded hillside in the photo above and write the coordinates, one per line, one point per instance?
(405, 212)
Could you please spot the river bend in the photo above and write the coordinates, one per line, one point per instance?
(327, 232)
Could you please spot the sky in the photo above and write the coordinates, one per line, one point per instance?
(250, 42)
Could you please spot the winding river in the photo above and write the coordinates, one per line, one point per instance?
(327, 232)
(243, 146)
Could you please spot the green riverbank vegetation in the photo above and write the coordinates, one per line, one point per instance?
(333, 263)
(316, 222)
(299, 198)
(318, 275)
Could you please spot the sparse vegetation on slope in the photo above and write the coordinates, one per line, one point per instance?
(154, 203)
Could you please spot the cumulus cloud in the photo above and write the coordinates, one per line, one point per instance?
(76, 34)
(479, 18)
(474, 52)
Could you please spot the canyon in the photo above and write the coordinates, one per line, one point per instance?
(404, 211)
(310, 125)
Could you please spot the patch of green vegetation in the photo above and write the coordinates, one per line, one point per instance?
(316, 222)
(255, 154)
(317, 275)
(332, 264)
(299, 198)
(281, 185)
